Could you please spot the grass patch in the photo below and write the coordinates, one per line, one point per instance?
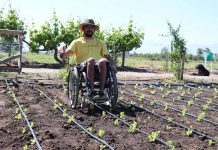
(40, 58)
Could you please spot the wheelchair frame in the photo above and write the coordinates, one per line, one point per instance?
(78, 86)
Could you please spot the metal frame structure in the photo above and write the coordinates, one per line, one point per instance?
(19, 55)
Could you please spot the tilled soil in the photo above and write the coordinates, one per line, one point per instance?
(54, 132)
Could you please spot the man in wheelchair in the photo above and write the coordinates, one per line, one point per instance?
(91, 54)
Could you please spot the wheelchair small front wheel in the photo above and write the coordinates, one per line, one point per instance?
(73, 88)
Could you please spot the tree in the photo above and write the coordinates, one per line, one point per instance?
(122, 40)
(47, 38)
(178, 53)
(200, 52)
(11, 21)
(165, 56)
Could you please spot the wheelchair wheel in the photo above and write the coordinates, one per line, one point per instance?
(113, 89)
(73, 87)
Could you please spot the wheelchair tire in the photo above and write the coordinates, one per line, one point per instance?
(73, 87)
(113, 89)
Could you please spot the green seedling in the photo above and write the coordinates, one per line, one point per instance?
(70, 119)
(141, 106)
(190, 102)
(133, 127)
(211, 143)
(205, 107)
(153, 136)
(90, 129)
(116, 122)
(101, 133)
(17, 110)
(122, 115)
(169, 119)
(161, 89)
(170, 143)
(103, 114)
(32, 142)
(152, 103)
(135, 92)
(168, 128)
(64, 114)
(184, 111)
(189, 132)
(132, 102)
(23, 130)
(18, 116)
(31, 124)
(201, 116)
(166, 106)
(102, 147)
(152, 92)
(25, 147)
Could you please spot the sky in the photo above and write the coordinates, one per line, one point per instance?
(198, 18)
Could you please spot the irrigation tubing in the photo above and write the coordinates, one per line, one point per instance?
(174, 109)
(173, 122)
(74, 121)
(127, 124)
(27, 121)
(197, 105)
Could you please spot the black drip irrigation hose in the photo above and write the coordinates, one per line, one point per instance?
(173, 122)
(174, 109)
(27, 121)
(127, 124)
(197, 105)
(204, 100)
(74, 121)
(158, 84)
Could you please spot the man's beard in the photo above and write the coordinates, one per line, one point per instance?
(89, 34)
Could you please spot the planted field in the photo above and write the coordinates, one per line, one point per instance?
(36, 116)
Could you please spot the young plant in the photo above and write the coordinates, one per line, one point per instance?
(31, 124)
(153, 136)
(133, 127)
(23, 130)
(201, 116)
(64, 114)
(190, 102)
(70, 119)
(184, 111)
(168, 128)
(102, 147)
(101, 133)
(152, 103)
(90, 129)
(103, 114)
(116, 122)
(189, 131)
(18, 116)
(211, 143)
(25, 147)
(166, 106)
(122, 115)
(169, 119)
(170, 143)
(152, 92)
(32, 142)
(141, 97)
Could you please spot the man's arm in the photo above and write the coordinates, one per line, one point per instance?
(65, 53)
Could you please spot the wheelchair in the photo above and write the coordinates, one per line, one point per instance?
(79, 87)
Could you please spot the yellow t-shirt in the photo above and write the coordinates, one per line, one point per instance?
(84, 49)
